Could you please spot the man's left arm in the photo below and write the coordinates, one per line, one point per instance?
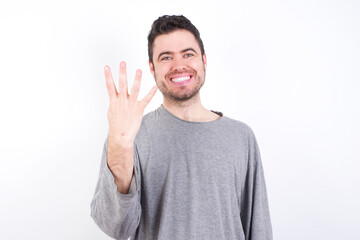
(254, 213)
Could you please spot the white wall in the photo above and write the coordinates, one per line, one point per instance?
(289, 69)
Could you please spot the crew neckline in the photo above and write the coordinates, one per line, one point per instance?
(164, 110)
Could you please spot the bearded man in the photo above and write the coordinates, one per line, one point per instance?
(181, 171)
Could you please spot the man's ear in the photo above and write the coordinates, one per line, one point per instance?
(204, 60)
(152, 70)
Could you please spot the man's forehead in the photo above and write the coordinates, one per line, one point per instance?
(175, 41)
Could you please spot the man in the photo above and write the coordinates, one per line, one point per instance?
(181, 171)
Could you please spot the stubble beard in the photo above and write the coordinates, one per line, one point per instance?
(179, 96)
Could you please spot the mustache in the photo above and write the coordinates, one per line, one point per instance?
(177, 71)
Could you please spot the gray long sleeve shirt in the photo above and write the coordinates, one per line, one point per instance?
(192, 180)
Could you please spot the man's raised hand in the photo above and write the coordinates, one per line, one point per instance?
(124, 116)
(125, 111)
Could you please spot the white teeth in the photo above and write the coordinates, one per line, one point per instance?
(180, 79)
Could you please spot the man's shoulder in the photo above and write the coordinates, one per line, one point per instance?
(150, 120)
(239, 131)
(151, 116)
(236, 125)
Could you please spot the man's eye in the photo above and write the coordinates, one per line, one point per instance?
(188, 55)
(165, 58)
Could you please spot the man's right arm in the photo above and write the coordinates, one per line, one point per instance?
(123, 171)
(116, 207)
(117, 214)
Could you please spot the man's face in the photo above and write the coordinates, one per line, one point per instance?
(178, 66)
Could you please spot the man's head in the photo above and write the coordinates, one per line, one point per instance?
(167, 24)
(176, 58)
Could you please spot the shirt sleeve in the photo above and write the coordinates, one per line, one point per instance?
(116, 214)
(254, 212)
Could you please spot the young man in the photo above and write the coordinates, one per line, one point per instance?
(181, 171)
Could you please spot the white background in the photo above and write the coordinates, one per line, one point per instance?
(289, 69)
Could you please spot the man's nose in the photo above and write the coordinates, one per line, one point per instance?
(178, 64)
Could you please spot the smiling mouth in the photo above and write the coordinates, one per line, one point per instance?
(180, 79)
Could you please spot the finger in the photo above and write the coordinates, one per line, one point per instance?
(145, 101)
(136, 86)
(110, 85)
(123, 89)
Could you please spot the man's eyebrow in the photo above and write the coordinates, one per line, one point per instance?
(164, 53)
(182, 51)
(188, 49)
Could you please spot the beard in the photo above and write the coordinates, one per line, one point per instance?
(182, 94)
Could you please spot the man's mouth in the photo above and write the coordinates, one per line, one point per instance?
(180, 79)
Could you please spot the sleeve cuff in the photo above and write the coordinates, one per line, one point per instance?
(134, 185)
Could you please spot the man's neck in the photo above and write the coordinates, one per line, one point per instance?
(191, 110)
